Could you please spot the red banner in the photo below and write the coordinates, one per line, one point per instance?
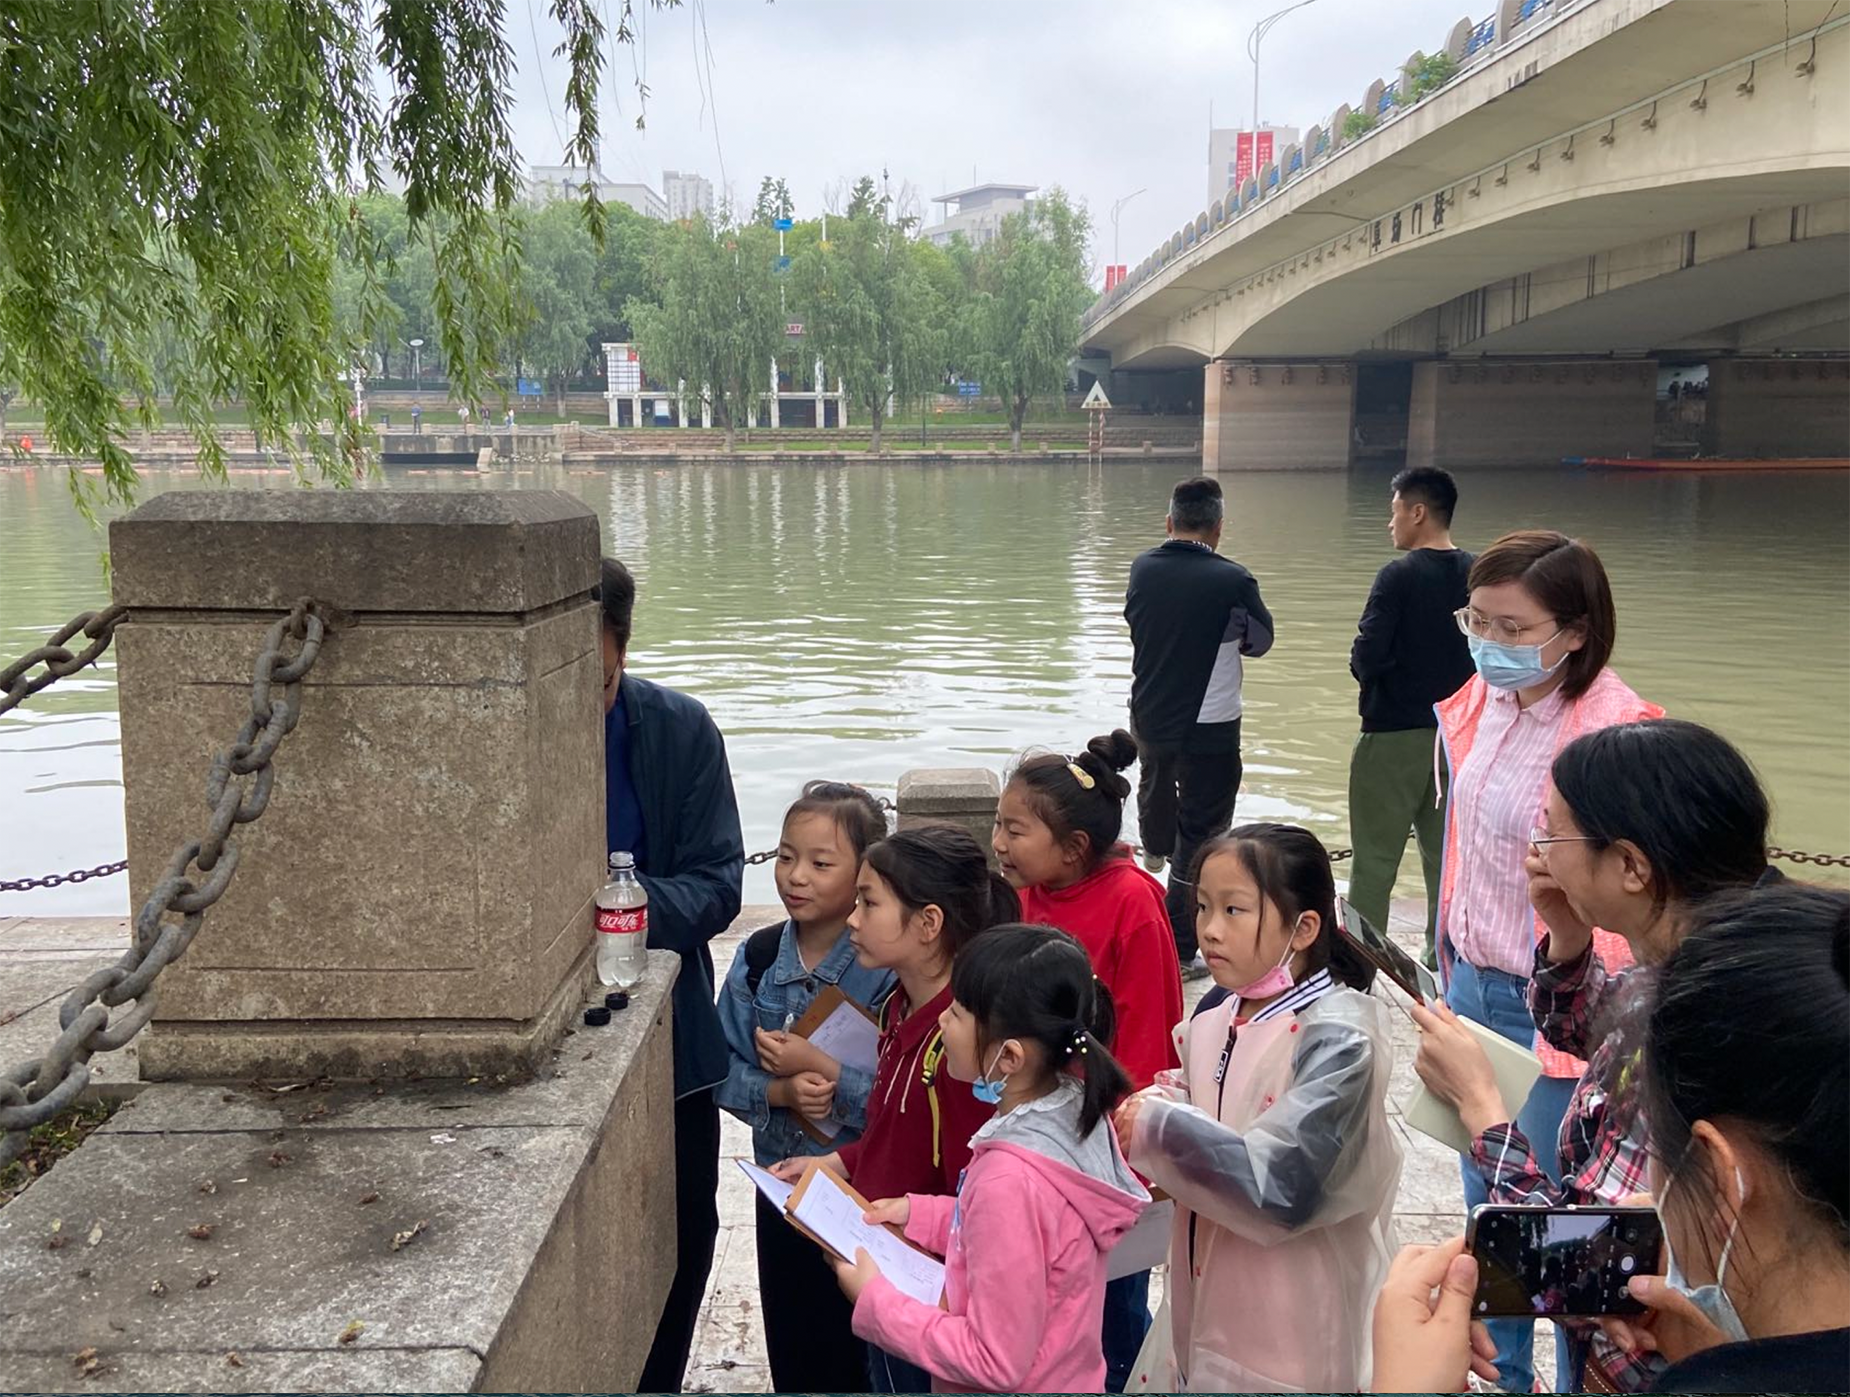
(1252, 152)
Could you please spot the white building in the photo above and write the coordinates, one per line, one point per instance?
(548, 182)
(1235, 156)
(687, 194)
(979, 212)
(791, 396)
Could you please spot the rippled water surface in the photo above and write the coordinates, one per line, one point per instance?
(857, 621)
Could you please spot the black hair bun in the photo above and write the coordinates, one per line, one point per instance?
(1117, 749)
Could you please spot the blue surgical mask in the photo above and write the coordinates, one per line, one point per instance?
(1505, 666)
(1710, 1299)
(986, 1091)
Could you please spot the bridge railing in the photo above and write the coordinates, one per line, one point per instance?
(1470, 45)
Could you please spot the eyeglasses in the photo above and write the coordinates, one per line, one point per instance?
(1495, 627)
(1540, 839)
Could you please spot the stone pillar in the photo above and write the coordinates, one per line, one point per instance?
(1508, 412)
(1276, 416)
(417, 898)
(1777, 408)
(965, 796)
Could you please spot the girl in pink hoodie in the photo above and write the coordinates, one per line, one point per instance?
(1047, 1192)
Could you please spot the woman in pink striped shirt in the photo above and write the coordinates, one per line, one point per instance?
(1541, 626)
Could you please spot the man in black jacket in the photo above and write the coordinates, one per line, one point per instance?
(1194, 617)
(668, 800)
(1408, 655)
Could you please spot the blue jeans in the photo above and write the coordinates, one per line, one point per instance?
(1127, 1320)
(1500, 1001)
(888, 1372)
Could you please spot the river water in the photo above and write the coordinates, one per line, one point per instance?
(856, 621)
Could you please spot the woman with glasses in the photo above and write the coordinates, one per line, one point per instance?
(1540, 624)
(1642, 823)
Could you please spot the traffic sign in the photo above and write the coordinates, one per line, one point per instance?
(783, 225)
(794, 328)
(1096, 401)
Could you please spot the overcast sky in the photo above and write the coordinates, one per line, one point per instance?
(1099, 97)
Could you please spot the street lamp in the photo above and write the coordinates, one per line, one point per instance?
(417, 385)
(1114, 223)
(1253, 40)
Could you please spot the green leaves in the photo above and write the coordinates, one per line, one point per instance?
(184, 198)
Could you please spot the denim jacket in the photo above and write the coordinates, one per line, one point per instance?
(785, 990)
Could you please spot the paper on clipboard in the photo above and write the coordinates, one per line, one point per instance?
(833, 1214)
(1146, 1244)
(845, 1031)
(773, 1188)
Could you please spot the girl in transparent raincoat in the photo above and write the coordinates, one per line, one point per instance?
(1273, 1138)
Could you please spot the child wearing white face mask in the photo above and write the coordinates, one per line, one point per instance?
(1273, 1138)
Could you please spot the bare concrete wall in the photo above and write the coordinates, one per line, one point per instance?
(1517, 413)
(1774, 408)
(1276, 416)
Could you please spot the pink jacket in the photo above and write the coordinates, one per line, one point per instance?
(1024, 1243)
(1607, 703)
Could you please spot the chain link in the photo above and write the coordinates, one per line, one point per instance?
(99, 627)
(58, 880)
(1822, 860)
(34, 1091)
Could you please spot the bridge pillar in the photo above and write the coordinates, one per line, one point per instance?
(1507, 412)
(1277, 416)
(1779, 408)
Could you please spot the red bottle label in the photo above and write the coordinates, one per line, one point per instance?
(623, 919)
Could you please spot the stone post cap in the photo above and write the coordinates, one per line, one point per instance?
(942, 790)
(364, 550)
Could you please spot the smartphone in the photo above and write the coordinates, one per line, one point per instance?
(1389, 959)
(1570, 1262)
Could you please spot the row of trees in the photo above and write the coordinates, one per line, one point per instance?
(892, 316)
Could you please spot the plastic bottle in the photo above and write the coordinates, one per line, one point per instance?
(622, 925)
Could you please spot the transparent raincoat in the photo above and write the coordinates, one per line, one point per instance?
(1284, 1173)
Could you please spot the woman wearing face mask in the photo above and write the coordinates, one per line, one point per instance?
(1746, 1085)
(1750, 1144)
(1541, 625)
(1643, 822)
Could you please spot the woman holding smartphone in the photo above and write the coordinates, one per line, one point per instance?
(1643, 822)
(1745, 1072)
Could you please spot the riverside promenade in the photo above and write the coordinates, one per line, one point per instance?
(42, 958)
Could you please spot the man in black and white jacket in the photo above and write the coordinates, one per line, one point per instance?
(1195, 617)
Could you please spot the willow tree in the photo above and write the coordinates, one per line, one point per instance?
(872, 315)
(710, 317)
(1030, 293)
(188, 173)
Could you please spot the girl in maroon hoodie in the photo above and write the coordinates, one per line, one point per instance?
(922, 894)
(1057, 841)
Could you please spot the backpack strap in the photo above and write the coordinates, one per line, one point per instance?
(761, 954)
(934, 1055)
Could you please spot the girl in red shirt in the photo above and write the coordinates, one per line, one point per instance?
(1056, 840)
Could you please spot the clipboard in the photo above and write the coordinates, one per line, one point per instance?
(786, 1198)
(802, 1187)
(922, 1279)
(822, 1009)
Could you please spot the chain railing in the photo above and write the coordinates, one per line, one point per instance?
(17, 684)
(58, 880)
(238, 787)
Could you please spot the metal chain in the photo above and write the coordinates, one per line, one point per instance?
(99, 627)
(1823, 860)
(58, 880)
(34, 1091)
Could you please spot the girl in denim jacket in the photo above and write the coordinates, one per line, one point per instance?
(779, 1084)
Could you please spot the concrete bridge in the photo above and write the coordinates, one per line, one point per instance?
(1497, 270)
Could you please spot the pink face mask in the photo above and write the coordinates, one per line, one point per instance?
(1275, 981)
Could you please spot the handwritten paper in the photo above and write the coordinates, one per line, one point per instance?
(848, 1036)
(835, 1217)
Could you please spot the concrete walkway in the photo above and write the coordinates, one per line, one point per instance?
(42, 959)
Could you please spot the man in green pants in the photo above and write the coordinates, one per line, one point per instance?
(1408, 654)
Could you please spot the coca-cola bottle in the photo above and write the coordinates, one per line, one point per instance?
(622, 925)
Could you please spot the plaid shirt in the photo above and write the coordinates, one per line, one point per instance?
(1602, 1143)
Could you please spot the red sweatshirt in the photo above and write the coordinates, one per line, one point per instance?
(895, 1154)
(1117, 914)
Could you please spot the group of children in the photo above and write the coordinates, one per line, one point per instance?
(1036, 1080)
